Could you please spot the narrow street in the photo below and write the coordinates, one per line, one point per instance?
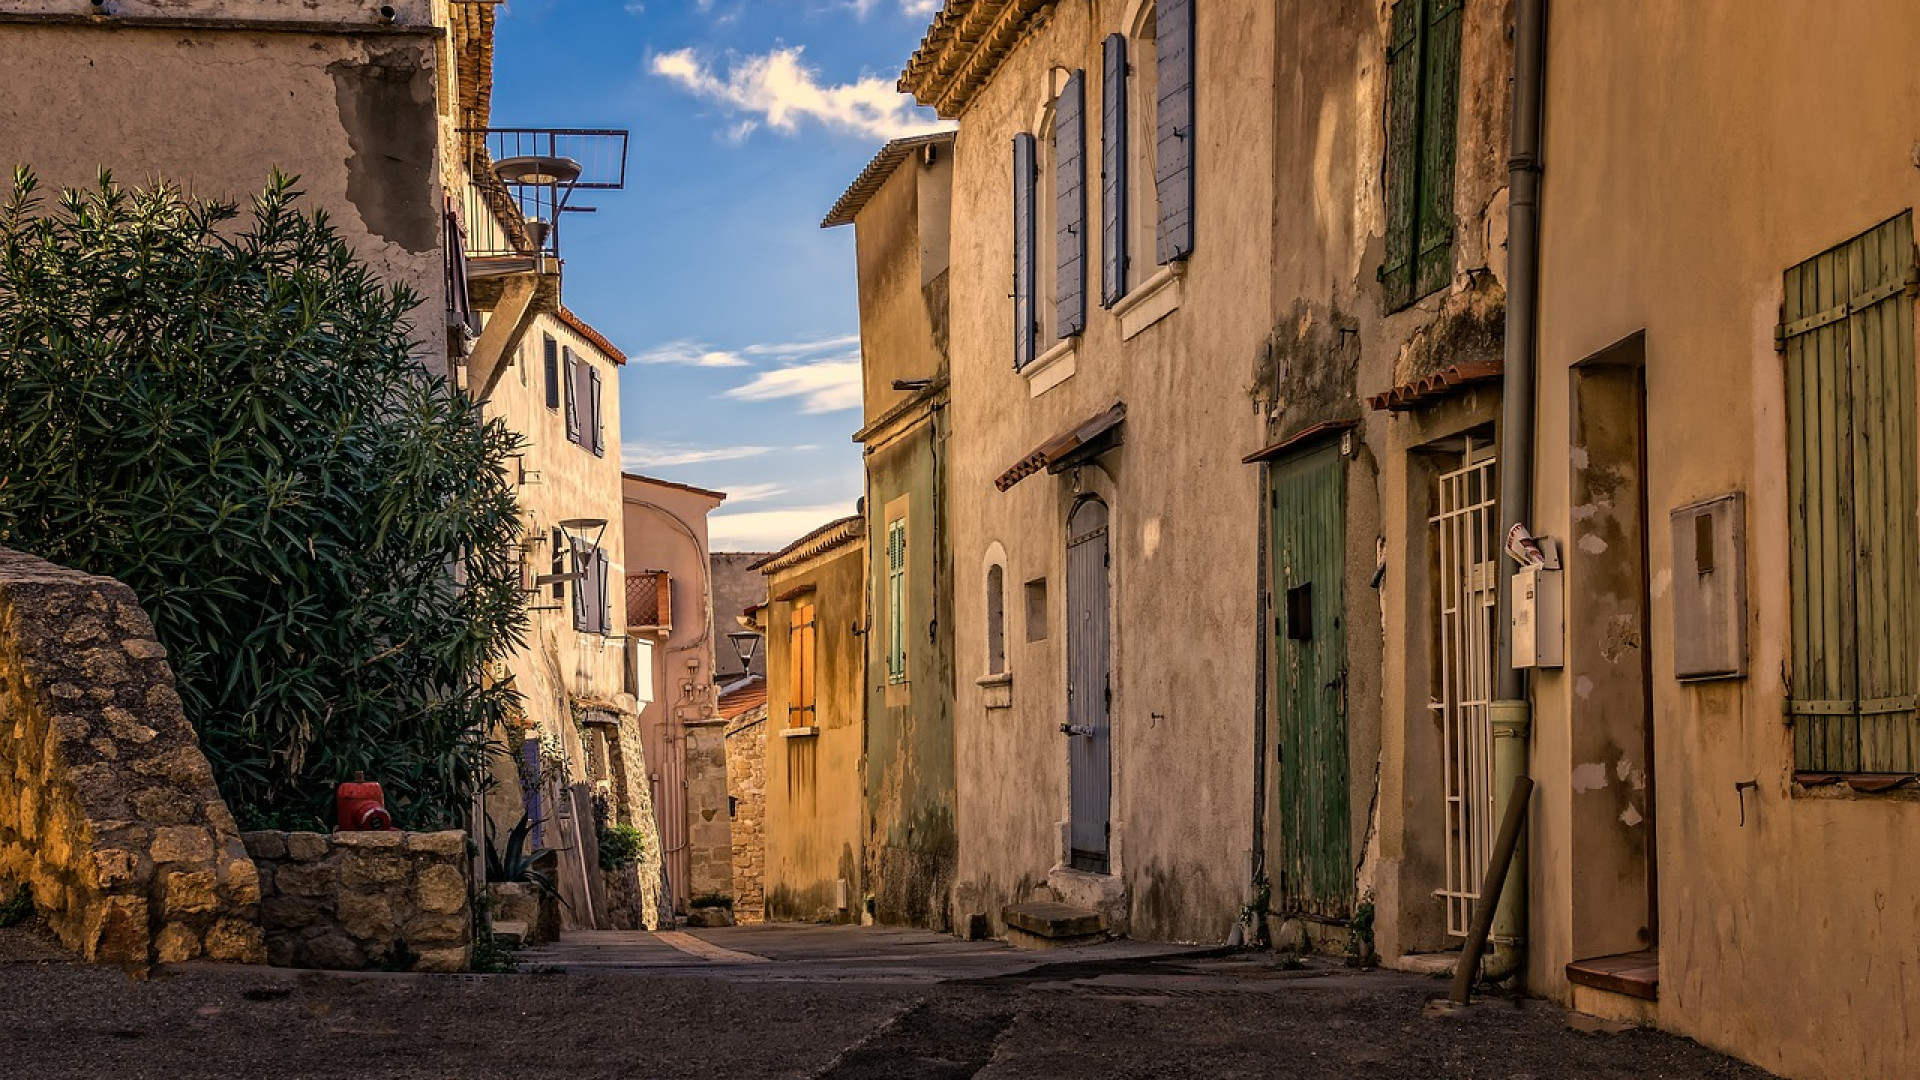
(803, 1001)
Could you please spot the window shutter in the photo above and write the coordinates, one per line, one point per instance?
(897, 601)
(1070, 204)
(596, 428)
(1113, 171)
(1024, 283)
(1440, 109)
(1855, 547)
(581, 557)
(559, 562)
(604, 608)
(1173, 135)
(552, 348)
(573, 396)
(1404, 38)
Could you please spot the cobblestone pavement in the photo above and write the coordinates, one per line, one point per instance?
(808, 1002)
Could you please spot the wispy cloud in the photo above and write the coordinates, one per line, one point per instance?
(823, 385)
(653, 455)
(801, 348)
(779, 88)
(922, 9)
(690, 354)
(743, 493)
(769, 530)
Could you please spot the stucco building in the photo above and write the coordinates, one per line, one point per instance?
(900, 207)
(816, 705)
(670, 608)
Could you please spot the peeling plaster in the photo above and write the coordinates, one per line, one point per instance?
(1630, 817)
(1589, 777)
(1583, 686)
(1592, 545)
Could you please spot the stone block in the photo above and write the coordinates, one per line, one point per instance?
(144, 650)
(190, 892)
(360, 870)
(126, 727)
(307, 846)
(177, 942)
(366, 917)
(240, 882)
(305, 879)
(284, 913)
(282, 951)
(165, 806)
(235, 941)
(182, 843)
(119, 934)
(331, 950)
(114, 868)
(448, 845)
(444, 961)
(432, 931)
(441, 890)
(369, 840)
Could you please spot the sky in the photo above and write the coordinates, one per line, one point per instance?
(710, 270)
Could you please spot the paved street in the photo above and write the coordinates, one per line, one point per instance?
(827, 1002)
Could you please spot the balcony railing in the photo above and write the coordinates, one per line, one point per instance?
(530, 180)
(650, 601)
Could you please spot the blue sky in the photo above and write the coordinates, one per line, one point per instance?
(710, 270)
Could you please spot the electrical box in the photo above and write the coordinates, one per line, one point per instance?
(1539, 618)
(1710, 589)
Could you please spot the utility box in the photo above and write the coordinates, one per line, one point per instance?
(1710, 589)
(1539, 618)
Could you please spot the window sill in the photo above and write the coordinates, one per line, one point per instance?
(996, 691)
(1150, 301)
(800, 732)
(1051, 368)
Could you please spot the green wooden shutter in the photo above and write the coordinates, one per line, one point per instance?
(1439, 109)
(1404, 38)
(1848, 334)
(897, 601)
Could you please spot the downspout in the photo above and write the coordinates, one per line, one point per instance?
(1511, 713)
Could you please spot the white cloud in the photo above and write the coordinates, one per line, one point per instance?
(651, 455)
(823, 385)
(769, 530)
(780, 89)
(742, 493)
(798, 348)
(690, 354)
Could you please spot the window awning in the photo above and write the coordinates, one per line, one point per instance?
(1075, 446)
(1298, 438)
(1418, 392)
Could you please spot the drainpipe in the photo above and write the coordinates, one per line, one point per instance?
(1511, 714)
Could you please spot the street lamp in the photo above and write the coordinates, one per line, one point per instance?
(745, 644)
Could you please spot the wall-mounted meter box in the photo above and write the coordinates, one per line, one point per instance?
(1539, 618)
(1710, 589)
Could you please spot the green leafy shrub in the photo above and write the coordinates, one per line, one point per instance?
(224, 413)
(515, 861)
(620, 845)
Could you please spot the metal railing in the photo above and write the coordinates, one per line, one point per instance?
(537, 174)
(1466, 534)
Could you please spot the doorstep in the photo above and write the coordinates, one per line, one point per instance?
(1635, 974)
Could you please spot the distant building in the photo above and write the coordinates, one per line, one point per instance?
(744, 708)
(736, 587)
(816, 664)
(669, 605)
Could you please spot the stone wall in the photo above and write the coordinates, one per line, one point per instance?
(747, 782)
(709, 832)
(108, 809)
(365, 900)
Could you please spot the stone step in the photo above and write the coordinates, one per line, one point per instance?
(1044, 924)
(509, 934)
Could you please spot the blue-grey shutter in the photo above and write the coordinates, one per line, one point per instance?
(596, 428)
(1173, 129)
(603, 610)
(573, 396)
(1070, 205)
(583, 569)
(552, 348)
(1113, 171)
(1024, 285)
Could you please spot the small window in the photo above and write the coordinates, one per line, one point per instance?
(801, 643)
(996, 620)
(897, 601)
(552, 353)
(1037, 609)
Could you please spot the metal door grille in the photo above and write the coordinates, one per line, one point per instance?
(1466, 536)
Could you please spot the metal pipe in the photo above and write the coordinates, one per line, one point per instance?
(1483, 915)
(1511, 713)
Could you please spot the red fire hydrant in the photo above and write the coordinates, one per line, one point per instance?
(362, 807)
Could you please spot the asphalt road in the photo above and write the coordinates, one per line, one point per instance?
(809, 1002)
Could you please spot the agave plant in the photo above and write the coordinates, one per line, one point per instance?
(513, 862)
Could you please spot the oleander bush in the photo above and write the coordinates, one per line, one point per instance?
(222, 409)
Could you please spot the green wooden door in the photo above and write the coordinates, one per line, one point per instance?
(1309, 539)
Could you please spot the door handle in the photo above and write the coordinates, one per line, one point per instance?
(1076, 729)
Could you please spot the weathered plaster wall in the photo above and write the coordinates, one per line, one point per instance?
(1693, 154)
(902, 240)
(108, 809)
(1184, 522)
(216, 109)
(359, 900)
(815, 811)
(747, 782)
(666, 529)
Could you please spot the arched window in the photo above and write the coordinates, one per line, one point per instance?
(996, 620)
